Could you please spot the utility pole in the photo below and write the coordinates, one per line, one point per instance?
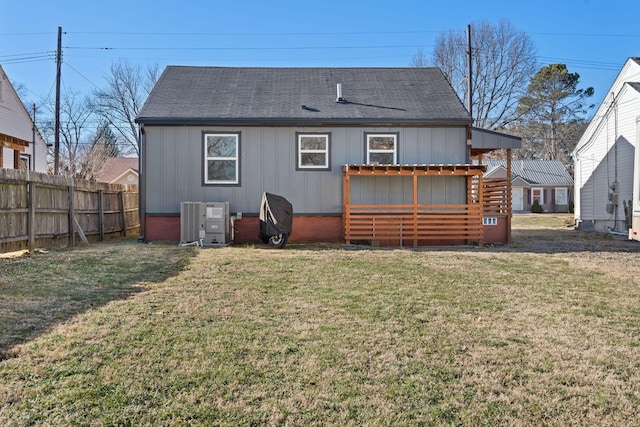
(56, 146)
(469, 73)
(33, 138)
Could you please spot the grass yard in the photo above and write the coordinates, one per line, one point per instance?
(544, 331)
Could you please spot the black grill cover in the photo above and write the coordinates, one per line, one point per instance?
(276, 216)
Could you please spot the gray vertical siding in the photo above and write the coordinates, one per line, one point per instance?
(174, 168)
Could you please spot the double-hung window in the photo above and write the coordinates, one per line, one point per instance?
(381, 149)
(562, 196)
(313, 151)
(537, 193)
(221, 158)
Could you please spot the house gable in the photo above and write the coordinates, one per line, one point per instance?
(518, 181)
(16, 131)
(630, 73)
(603, 157)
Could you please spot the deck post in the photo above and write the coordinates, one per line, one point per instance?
(415, 210)
(346, 197)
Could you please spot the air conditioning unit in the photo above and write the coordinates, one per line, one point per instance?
(204, 222)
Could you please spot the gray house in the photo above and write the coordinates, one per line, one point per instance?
(547, 181)
(374, 154)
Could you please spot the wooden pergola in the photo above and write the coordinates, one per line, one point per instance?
(415, 222)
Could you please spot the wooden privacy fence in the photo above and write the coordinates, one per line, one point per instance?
(39, 210)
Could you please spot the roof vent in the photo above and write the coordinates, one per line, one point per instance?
(339, 97)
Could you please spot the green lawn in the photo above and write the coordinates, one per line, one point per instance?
(124, 333)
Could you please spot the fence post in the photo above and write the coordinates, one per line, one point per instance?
(123, 217)
(31, 219)
(101, 214)
(72, 231)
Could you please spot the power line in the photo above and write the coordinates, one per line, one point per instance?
(81, 75)
(244, 48)
(314, 33)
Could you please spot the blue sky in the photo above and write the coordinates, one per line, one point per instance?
(593, 37)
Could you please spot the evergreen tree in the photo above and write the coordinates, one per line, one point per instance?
(552, 114)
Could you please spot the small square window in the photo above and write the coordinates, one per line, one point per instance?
(313, 151)
(381, 149)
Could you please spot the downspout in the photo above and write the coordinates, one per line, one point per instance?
(615, 162)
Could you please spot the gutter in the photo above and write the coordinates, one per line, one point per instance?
(288, 122)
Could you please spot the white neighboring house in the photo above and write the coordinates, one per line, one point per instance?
(21, 147)
(603, 158)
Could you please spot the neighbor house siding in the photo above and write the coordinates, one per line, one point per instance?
(174, 162)
(16, 122)
(605, 154)
(607, 159)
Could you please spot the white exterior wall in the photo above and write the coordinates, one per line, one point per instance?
(605, 153)
(16, 122)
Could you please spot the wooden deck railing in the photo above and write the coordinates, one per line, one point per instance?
(403, 223)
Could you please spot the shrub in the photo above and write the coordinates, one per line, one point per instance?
(535, 207)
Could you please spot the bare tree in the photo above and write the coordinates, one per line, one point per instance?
(503, 61)
(119, 102)
(83, 149)
(419, 60)
(75, 122)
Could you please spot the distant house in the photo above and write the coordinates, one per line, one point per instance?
(21, 145)
(548, 181)
(364, 154)
(119, 170)
(604, 156)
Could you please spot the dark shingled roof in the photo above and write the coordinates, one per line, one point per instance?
(113, 167)
(217, 95)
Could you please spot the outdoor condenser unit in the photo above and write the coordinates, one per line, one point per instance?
(204, 222)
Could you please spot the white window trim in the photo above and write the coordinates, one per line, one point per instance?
(300, 151)
(566, 195)
(235, 158)
(386, 135)
(541, 194)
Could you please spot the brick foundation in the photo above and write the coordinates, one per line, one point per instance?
(496, 233)
(305, 229)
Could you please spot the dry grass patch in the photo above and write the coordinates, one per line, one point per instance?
(319, 335)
